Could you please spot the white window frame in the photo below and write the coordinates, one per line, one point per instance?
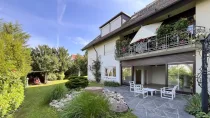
(110, 69)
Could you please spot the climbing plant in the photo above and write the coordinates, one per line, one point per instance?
(96, 69)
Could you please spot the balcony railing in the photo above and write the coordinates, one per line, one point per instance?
(175, 39)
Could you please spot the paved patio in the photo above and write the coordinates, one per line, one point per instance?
(154, 106)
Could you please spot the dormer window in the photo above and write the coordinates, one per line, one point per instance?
(114, 23)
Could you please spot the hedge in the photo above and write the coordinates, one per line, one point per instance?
(11, 95)
(111, 83)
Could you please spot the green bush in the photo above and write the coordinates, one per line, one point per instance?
(194, 105)
(58, 92)
(77, 82)
(111, 83)
(52, 77)
(202, 115)
(11, 95)
(60, 76)
(24, 80)
(87, 105)
(181, 24)
(72, 77)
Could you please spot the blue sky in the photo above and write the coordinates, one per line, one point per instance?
(73, 22)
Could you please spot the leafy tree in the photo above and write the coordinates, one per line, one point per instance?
(14, 55)
(81, 63)
(45, 59)
(64, 61)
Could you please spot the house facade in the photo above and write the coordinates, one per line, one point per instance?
(151, 47)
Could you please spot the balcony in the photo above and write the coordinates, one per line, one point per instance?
(176, 42)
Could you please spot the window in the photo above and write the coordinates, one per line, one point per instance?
(114, 71)
(106, 72)
(126, 75)
(110, 71)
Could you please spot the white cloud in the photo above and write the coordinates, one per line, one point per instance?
(79, 41)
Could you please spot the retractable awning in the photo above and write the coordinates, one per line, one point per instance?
(146, 32)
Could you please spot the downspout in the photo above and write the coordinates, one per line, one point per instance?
(96, 52)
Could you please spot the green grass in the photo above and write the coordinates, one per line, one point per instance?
(34, 105)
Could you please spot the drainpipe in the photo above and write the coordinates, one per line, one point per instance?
(96, 52)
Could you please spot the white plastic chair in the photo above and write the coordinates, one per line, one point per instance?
(132, 84)
(168, 93)
(138, 89)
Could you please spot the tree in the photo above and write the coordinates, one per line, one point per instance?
(45, 59)
(64, 60)
(14, 53)
(81, 63)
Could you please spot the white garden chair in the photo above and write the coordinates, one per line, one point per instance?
(168, 93)
(138, 89)
(132, 84)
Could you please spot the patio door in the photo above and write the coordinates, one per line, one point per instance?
(181, 75)
(138, 76)
(126, 75)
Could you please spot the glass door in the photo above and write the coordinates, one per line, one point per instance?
(126, 75)
(181, 75)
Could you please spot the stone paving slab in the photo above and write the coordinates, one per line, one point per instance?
(153, 106)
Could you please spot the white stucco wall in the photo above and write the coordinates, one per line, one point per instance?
(202, 19)
(155, 75)
(203, 13)
(198, 72)
(158, 75)
(107, 59)
(105, 30)
(116, 23)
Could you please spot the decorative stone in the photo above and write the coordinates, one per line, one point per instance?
(117, 102)
(60, 104)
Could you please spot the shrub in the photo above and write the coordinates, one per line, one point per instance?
(194, 105)
(58, 92)
(181, 24)
(96, 67)
(60, 76)
(72, 77)
(52, 76)
(202, 115)
(11, 95)
(111, 83)
(77, 82)
(24, 80)
(87, 105)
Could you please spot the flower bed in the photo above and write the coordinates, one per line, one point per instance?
(116, 101)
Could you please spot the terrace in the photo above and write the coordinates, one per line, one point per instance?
(154, 106)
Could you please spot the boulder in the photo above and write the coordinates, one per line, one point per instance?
(117, 102)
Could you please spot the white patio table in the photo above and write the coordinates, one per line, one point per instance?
(151, 90)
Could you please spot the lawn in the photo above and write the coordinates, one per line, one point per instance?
(34, 105)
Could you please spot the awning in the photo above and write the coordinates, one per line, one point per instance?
(146, 32)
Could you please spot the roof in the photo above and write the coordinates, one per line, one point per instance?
(73, 56)
(121, 13)
(144, 13)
